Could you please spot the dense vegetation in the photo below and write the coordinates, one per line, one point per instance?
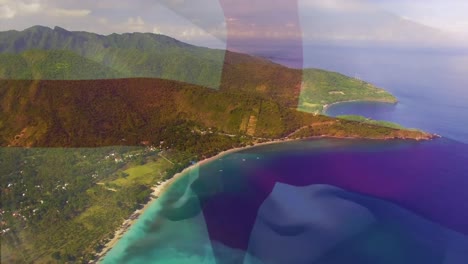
(51, 65)
(128, 55)
(116, 112)
(60, 204)
(366, 120)
(343, 128)
(130, 111)
(324, 88)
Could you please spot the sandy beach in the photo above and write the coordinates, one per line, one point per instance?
(159, 190)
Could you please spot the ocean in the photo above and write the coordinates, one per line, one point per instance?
(431, 85)
(329, 200)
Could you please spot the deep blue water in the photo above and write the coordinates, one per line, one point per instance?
(331, 201)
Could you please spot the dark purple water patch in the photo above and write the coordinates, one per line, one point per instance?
(427, 178)
(337, 226)
(370, 201)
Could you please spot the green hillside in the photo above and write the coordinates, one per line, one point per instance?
(52, 65)
(365, 120)
(131, 54)
(322, 88)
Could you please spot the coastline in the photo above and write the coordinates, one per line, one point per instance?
(159, 189)
(326, 106)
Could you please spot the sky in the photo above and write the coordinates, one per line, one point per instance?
(449, 15)
(214, 23)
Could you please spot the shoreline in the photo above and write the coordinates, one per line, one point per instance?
(159, 189)
(326, 106)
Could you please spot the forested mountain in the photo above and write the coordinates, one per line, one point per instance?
(130, 55)
(128, 111)
(52, 65)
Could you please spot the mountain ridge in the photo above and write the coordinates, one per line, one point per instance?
(131, 54)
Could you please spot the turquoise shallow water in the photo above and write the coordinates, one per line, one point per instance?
(189, 232)
(171, 240)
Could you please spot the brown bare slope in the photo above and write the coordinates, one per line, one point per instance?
(129, 111)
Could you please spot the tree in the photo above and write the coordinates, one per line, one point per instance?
(56, 255)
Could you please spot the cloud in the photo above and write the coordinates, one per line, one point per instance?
(31, 7)
(157, 30)
(103, 20)
(135, 21)
(206, 15)
(135, 24)
(338, 5)
(191, 33)
(6, 12)
(61, 12)
(10, 9)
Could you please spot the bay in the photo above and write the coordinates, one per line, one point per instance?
(302, 200)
